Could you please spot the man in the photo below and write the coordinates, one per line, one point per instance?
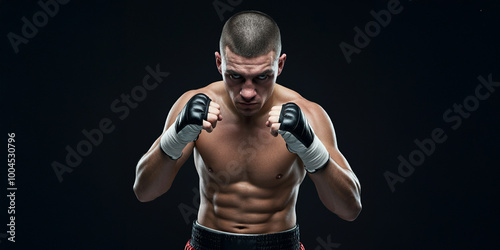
(249, 176)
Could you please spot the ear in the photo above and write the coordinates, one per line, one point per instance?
(281, 63)
(218, 61)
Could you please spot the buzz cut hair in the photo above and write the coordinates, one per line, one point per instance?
(250, 34)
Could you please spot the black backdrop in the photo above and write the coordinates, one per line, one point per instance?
(399, 88)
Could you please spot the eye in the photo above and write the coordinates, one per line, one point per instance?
(235, 76)
(262, 77)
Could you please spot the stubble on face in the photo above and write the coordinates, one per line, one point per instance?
(249, 82)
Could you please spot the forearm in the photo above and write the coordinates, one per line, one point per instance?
(339, 190)
(337, 186)
(155, 173)
(158, 167)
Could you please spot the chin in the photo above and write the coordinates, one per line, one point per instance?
(248, 110)
(248, 113)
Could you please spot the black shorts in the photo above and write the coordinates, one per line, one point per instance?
(203, 238)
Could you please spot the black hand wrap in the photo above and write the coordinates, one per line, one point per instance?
(294, 121)
(194, 112)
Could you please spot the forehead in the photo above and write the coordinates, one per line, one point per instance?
(253, 65)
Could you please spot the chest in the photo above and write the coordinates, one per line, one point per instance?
(240, 154)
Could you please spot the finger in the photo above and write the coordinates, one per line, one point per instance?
(212, 119)
(213, 110)
(214, 104)
(274, 129)
(274, 113)
(207, 126)
(273, 119)
(276, 108)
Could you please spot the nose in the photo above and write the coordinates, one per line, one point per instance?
(248, 92)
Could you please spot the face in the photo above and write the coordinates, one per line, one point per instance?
(249, 82)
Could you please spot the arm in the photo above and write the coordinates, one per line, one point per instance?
(156, 170)
(337, 185)
(315, 144)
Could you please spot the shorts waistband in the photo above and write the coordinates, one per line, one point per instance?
(203, 238)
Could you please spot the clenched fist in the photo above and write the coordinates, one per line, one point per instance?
(198, 113)
(289, 121)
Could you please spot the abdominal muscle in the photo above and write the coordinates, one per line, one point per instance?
(257, 199)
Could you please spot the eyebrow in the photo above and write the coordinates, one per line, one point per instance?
(262, 73)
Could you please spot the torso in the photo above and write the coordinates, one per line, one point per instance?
(249, 181)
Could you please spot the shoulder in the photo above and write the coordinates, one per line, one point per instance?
(212, 90)
(311, 109)
(318, 118)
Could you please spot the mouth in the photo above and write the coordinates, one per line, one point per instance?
(247, 105)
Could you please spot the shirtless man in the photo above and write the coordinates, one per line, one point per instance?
(259, 141)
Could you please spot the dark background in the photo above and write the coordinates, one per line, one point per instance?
(393, 92)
